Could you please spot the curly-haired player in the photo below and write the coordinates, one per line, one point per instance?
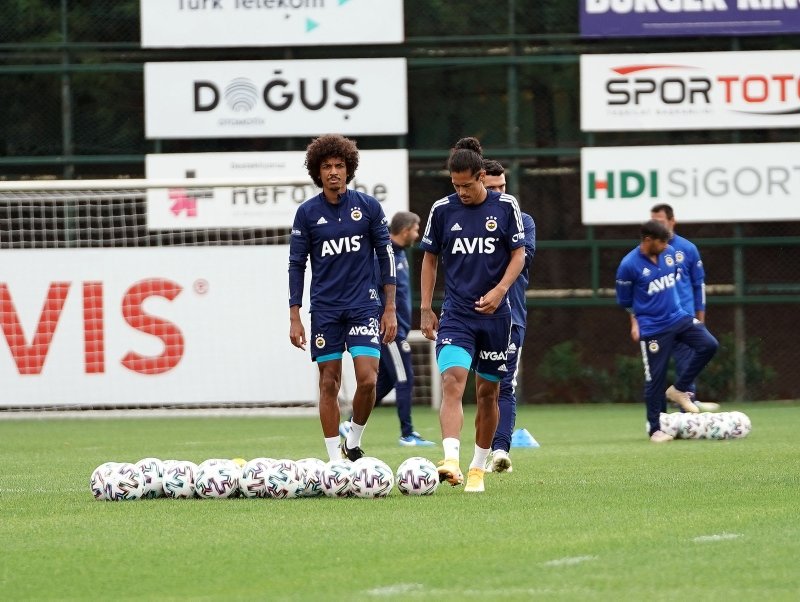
(342, 230)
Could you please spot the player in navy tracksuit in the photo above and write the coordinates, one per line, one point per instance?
(342, 230)
(479, 238)
(691, 291)
(499, 460)
(646, 286)
(396, 369)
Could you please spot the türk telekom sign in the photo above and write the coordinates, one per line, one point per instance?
(381, 173)
(610, 18)
(688, 91)
(236, 99)
(149, 326)
(703, 183)
(194, 23)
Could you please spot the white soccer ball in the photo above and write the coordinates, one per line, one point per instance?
(283, 479)
(336, 478)
(252, 482)
(719, 426)
(693, 426)
(217, 479)
(371, 478)
(124, 482)
(417, 476)
(312, 474)
(153, 471)
(671, 423)
(741, 425)
(179, 477)
(97, 482)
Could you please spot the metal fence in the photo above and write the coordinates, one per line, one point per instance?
(71, 88)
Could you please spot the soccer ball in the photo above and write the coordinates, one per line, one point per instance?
(124, 482)
(670, 423)
(741, 425)
(312, 473)
(283, 479)
(252, 483)
(417, 476)
(371, 478)
(97, 482)
(217, 479)
(693, 426)
(179, 476)
(336, 477)
(153, 471)
(719, 426)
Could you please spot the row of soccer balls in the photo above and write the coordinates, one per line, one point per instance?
(261, 478)
(706, 425)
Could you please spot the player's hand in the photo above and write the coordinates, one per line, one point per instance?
(635, 331)
(389, 324)
(429, 324)
(489, 303)
(297, 334)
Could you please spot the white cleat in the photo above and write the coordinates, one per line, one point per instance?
(682, 399)
(500, 461)
(660, 437)
(707, 406)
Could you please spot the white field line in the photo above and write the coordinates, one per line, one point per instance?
(716, 537)
(417, 590)
(569, 561)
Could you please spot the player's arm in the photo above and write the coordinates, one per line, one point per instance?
(429, 323)
(624, 288)
(299, 247)
(382, 243)
(489, 303)
(697, 274)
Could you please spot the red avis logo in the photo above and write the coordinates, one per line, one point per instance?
(30, 357)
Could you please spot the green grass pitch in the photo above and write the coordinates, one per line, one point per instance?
(597, 513)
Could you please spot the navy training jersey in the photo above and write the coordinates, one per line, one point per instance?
(474, 244)
(516, 294)
(692, 285)
(342, 240)
(403, 294)
(650, 290)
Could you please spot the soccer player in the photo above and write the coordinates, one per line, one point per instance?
(691, 292)
(396, 370)
(479, 238)
(499, 459)
(646, 285)
(342, 230)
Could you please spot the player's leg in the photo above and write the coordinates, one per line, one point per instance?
(696, 336)
(683, 356)
(655, 358)
(401, 356)
(387, 374)
(363, 343)
(499, 459)
(327, 347)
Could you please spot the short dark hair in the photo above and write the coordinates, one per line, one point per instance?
(667, 209)
(654, 229)
(402, 220)
(326, 147)
(493, 168)
(466, 155)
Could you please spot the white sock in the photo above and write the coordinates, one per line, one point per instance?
(452, 448)
(354, 436)
(332, 445)
(479, 459)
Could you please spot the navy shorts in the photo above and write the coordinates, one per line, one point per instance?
(357, 330)
(485, 340)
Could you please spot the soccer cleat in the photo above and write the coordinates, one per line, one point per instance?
(706, 406)
(415, 439)
(352, 453)
(682, 399)
(449, 471)
(344, 428)
(474, 480)
(660, 437)
(500, 461)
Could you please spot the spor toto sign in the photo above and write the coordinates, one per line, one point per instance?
(235, 99)
(704, 183)
(687, 91)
